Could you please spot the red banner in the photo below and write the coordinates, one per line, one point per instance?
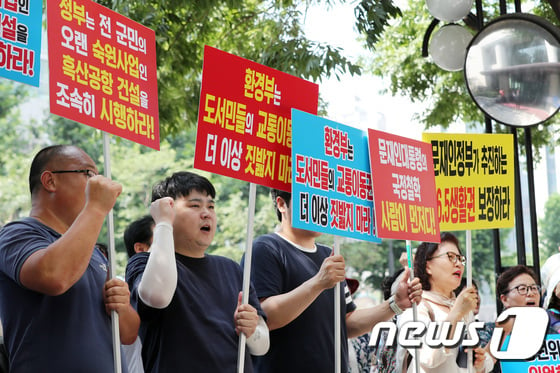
(244, 119)
(404, 187)
(102, 70)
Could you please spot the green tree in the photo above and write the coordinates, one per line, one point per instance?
(549, 238)
(17, 142)
(267, 32)
(376, 261)
(399, 61)
(381, 260)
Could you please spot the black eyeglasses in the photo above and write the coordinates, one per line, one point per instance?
(88, 173)
(452, 257)
(524, 289)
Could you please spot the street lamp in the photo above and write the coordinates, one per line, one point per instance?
(449, 10)
(448, 45)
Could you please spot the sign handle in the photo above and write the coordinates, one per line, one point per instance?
(414, 306)
(112, 261)
(337, 329)
(470, 317)
(247, 271)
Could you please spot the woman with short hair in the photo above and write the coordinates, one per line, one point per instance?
(440, 269)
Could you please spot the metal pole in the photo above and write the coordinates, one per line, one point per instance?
(532, 204)
(414, 306)
(480, 21)
(112, 261)
(337, 328)
(468, 241)
(517, 6)
(495, 232)
(495, 235)
(519, 226)
(247, 272)
(391, 258)
(503, 7)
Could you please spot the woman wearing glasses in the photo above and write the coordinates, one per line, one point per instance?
(518, 287)
(440, 268)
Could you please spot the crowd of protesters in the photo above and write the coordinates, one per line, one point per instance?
(181, 308)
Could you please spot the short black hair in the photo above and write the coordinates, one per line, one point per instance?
(554, 302)
(40, 161)
(424, 252)
(103, 248)
(180, 184)
(388, 281)
(507, 276)
(286, 196)
(139, 230)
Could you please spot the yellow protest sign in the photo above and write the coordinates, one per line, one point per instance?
(474, 180)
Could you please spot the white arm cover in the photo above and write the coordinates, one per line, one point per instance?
(259, 341)
(159, 280)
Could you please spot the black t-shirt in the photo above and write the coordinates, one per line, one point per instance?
(196, 332)
(307, 343)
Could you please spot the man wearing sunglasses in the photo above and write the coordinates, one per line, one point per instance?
(55, 298)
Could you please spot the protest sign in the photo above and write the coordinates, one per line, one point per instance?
(102, 70)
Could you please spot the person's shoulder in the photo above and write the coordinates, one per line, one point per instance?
(136, 265)
(138, 259)
(23, 226)
(269, 238)
(266, 242)
(323, 248)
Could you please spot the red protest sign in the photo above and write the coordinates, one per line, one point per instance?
(102, 70)
(244, 120)
(404, 187)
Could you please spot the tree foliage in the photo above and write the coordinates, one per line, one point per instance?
(399, 61)
(549, 240)
(17, 142)
(267, 32)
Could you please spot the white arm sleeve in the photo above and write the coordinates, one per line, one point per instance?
(159, 280)
(259, 342)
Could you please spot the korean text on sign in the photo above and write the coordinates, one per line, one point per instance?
(403, 187)
(474, 179)
(103, 70)
(332, 190)
(244, 125)
(20, 40)
(547, 360)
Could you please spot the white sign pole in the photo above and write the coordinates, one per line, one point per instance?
(414, 307)
(337, 329)
(247, 271)
(112, 261)
(468, 239)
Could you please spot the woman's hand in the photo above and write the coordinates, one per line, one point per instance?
(479, 358)
(466, 302)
